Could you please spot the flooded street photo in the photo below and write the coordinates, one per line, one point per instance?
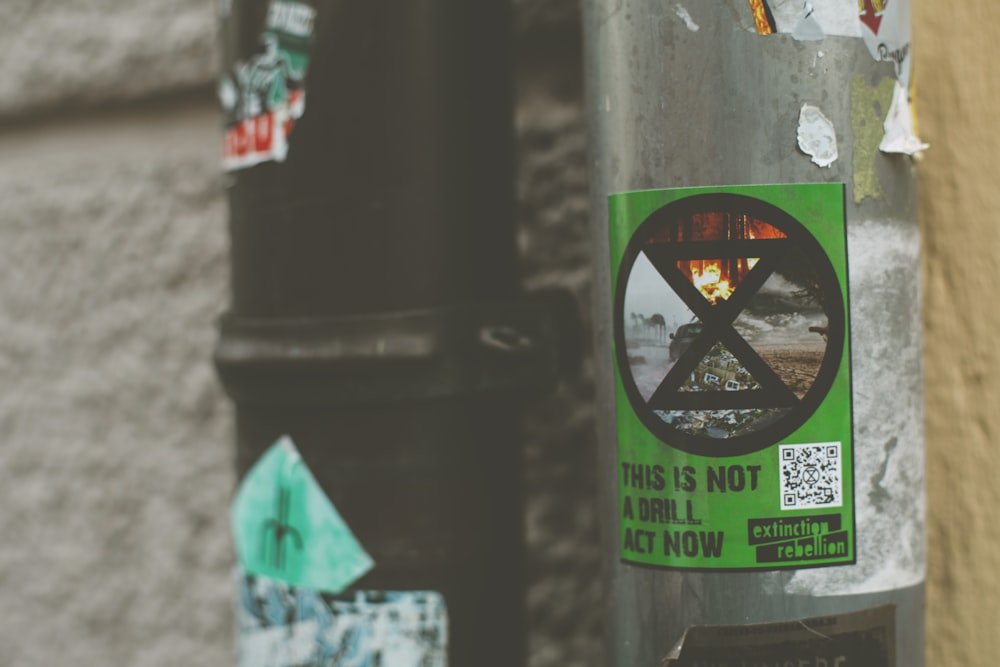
(650, 363)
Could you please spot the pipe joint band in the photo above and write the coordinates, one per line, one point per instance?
(518, 344)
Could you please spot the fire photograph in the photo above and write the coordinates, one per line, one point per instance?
(722, 305)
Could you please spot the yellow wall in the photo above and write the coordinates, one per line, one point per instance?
(958, 91)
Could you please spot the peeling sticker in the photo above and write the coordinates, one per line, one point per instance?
(263, 95)
(283, 626)
(686, 17)
(899, 134)
(826, 17)
(865, 637)
(285, 527)
(816, 136)
(885, 28)
(883, 24)
(869, 107)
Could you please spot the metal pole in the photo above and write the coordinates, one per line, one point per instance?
(375, 315)
(718, 507)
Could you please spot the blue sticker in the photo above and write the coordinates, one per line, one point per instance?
(279, 625)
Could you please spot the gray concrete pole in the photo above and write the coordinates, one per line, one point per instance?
(697, 94)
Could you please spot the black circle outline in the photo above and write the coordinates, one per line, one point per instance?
(797, 233)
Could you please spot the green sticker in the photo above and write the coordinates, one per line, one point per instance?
(286, 528)
(732, 369)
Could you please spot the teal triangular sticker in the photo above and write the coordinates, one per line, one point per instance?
(286, 528)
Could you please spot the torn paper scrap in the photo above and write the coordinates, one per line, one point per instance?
(264, 94)
(283, 626)
(831, 17)
(686, 17)
(817, 136)
(807, 28)
(899, 135)
(885, 28)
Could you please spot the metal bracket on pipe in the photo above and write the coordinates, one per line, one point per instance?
(522, 344)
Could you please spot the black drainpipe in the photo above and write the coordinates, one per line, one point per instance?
(376, 317)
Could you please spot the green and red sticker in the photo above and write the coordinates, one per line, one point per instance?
(732, 367)
(263, 93)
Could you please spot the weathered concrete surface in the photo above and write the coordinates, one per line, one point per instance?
(88, 52)
(959, 108)
(114, 466)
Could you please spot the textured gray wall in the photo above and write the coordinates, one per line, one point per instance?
(115, 439)
(114, 462)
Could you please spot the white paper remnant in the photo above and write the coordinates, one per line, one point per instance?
(279, 646)
(833, 17)
(808, 29)
(899, 135)
(688, 21)
(817, 136)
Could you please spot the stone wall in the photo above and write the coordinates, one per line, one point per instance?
(116, 441)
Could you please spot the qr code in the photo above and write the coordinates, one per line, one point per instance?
(810, 475)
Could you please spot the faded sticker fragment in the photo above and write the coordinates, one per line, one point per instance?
(263, 95)
(885, 27)
(883, 24)
(282, 626)
(869, 106)
(816, 136)
(813, 20)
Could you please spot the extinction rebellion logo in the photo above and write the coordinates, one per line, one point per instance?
(729, 324)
